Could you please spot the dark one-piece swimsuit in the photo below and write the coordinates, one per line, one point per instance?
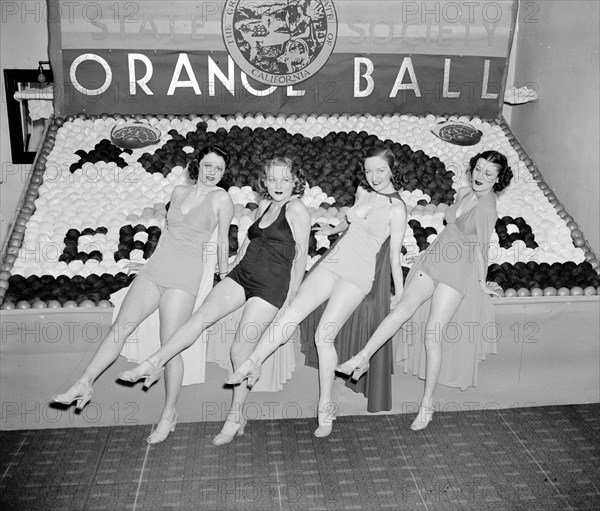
(266, 267)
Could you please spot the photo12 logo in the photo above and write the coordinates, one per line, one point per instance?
(280, 43)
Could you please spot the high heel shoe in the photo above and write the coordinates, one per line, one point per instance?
(248, 369)
(325, 419)
(423, 418)
(356, 366)
(229, 431)
(163, 428)
(146, 370)
(79, 391)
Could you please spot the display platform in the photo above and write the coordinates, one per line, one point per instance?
(47, 343)
(548, 354)
(112, 156)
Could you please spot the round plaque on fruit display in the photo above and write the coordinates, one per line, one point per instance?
(133, 135)
(457, 133)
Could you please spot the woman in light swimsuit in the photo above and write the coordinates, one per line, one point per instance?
(170, 280)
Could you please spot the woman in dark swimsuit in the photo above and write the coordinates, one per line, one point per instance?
(342, 278)
(268, 272)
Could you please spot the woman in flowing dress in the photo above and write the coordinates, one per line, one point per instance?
(452, 274)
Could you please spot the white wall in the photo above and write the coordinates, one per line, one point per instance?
(557, 49)
(23, 43)
(511, 80)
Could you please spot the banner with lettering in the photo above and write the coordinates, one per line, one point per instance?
(277, 56)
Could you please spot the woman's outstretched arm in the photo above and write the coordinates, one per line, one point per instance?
(299, 220)
(225, 216)
(397, 232)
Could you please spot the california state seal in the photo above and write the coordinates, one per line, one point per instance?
(279, 42)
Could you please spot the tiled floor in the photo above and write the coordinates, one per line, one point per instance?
(529, 458)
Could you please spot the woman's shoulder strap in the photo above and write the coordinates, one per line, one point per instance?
(395, 195)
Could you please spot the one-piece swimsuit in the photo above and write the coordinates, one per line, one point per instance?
(178, 261)
(450, 259)
(354, 255)
(265, 270)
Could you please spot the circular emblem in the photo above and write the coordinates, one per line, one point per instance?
(279, 42)
(133, 135)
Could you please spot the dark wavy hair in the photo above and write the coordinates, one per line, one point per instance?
(194, 165)
(295, 170)
(505, 173)
(387, 155)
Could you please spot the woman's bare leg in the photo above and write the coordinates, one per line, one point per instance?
(418, 290)
(257, 316)
(344, 300)
(225, 297)
(175, 308)
(444, 303)
(141, 300)
(315, 290)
